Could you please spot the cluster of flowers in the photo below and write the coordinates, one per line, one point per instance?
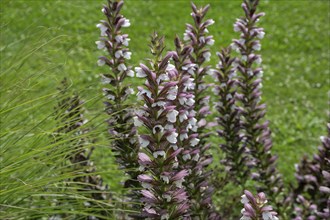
(255, 207)
(120, 114)
(70, 120)
(313, 176)
(163, 145)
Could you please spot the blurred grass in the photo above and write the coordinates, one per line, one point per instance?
(295, 53)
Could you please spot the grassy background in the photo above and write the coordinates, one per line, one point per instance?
(44, 41)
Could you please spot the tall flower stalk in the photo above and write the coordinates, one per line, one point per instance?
(312, 195)
(257, 133)
(197, 37)
(235, 159)
(193, 157)
(115, 43)
(164, 196)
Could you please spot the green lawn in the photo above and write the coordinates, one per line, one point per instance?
(295, 51)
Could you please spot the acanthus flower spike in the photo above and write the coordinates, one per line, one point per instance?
(120, 122)
(257, 133)
(193, 106)
(163, 195)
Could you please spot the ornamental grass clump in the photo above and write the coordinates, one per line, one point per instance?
(69, 117)
(120, 122)
(163, 196)
(257, 135)
(312, 194)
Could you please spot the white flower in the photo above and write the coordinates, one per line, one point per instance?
(267, 216)
(250, 72)
(130, 73)
(122, 67)
(110, 97)
(244, 199)
(143, 142)
(194, 141)
(126, 23)
(234, 47)
(159, 103)
(210, 42)
(241, 41)
(101, 62)
(127, 55)
(183, 116)
(182, 100)
(186, 36)
(211, 21)
(142, 92)
(159, 153)
(100, 44)
(192, 121)
(236, 28)
(123, 40)
(190, 102)
(171, 115)
(132, 140)
(229, 96)
(167, 197)
(183, 136)
(105, 80)
(244, 58)
(207, 56)
(169, 126)
(139, 72)
(161, 129)
(103, 29)
(170, 67)
(118, 54)
(178, 183)
(260, 34)
(186, 157)
(256, 47)
(174, 146)
(232, 75)
(196, 157)
(172, 93)
(129, 91)
(137, 121)
(258, 60)
(260, 74)
(172, 138)
(163, 77)
(202, 39)
(165, 178)
(190, 68)
(189, 84)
